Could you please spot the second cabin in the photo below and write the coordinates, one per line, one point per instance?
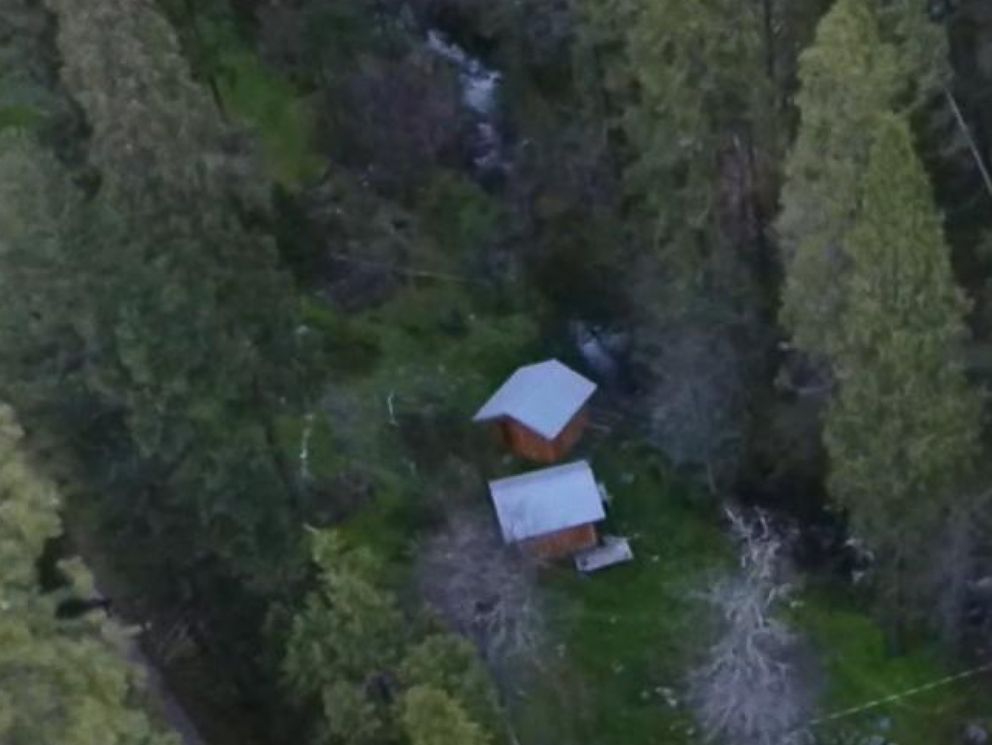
(540, 411)
(551, 513)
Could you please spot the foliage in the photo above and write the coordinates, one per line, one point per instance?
(271, 107)
(148, 331)
(407, 377)
(350, 649)
(179, 319)
(459, 215)
(859, 667)
(30, 97)
(62, 681)
(431, 717)
(696, 405)
(346, 638)
(450, 664)
(863, 61)
(902, 432)
(692, 117)
(690, 91)
(848, 75)
(258, 97)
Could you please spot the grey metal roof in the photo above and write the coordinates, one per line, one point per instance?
(543, 397)
(551, 499)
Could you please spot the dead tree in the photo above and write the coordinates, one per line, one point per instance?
(749, 691)
(482, 589)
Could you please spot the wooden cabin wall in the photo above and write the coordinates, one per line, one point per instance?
(562, 544)
(526, 443)
(570, 436)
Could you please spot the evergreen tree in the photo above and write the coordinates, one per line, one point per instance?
(694, 119)
(847, 77)
(688, 87)
(903, 430)
(182, 322)
(43, 319)
(61, 681)
(866, 58)
(343, 645)
(351, 656)
(431, 717)
(450, 664)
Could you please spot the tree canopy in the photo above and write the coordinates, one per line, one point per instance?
(352, 650)
(903, 430)
(60, 680)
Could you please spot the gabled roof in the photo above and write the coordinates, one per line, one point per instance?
(551, 499)
(543, 397)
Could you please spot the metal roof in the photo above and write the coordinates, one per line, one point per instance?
(551, 499)
(543, 397)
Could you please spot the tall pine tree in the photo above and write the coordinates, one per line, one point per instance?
(847, 77)
(688, 87)
(184, 322)
(903, 430)
(866, 58)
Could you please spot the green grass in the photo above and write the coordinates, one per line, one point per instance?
(260, 99)
(274, 110)
(631, 630)
(852, 649)
(20, 117)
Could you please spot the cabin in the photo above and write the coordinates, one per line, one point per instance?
(550, 513)
(541, 411)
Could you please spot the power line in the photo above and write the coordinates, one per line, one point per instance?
(939, 683)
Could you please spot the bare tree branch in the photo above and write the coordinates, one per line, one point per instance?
(748, 691)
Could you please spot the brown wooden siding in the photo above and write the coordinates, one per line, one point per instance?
(526, 443)
(569, 437)
(562, 544)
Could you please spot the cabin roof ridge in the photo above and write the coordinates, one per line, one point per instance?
(543, 396)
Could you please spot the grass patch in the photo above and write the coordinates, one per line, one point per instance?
(259, 98)
(274, 110)
(852, 649)
(20, 117)
(629, 633)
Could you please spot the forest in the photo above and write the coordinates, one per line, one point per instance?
(261, 261)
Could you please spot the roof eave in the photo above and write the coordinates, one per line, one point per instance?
(510, 539)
